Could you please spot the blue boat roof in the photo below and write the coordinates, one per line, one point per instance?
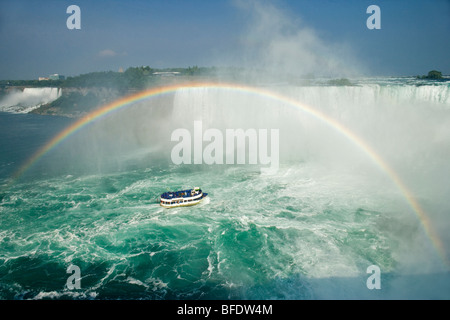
(178, 194)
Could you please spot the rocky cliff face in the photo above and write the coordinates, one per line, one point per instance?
(76, 102)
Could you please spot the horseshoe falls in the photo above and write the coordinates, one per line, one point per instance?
(356, 209)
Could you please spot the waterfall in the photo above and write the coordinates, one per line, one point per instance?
(28, 99)
(384, 115)
(408, 126)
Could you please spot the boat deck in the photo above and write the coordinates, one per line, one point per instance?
(182, 198)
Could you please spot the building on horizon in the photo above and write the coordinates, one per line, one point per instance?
(52, 77)
(166, 73)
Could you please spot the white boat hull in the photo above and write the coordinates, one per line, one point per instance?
(168, 200)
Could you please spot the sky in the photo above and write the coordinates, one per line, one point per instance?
(328, 37)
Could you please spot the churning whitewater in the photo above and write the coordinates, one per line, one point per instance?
(310, 230)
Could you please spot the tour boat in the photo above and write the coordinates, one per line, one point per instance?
(182, 198)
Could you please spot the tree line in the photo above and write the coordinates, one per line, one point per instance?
(131, 78)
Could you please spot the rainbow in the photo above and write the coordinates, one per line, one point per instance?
(147, 94)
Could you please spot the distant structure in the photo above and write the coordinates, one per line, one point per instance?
(52, 77)
(120, 70)
(56, 77)
(166, 73)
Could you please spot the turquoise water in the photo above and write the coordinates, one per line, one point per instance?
(265, 243)
(308, 231)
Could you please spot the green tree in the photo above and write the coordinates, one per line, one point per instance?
(434, 74)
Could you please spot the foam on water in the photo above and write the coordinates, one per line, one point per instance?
(279, 238)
